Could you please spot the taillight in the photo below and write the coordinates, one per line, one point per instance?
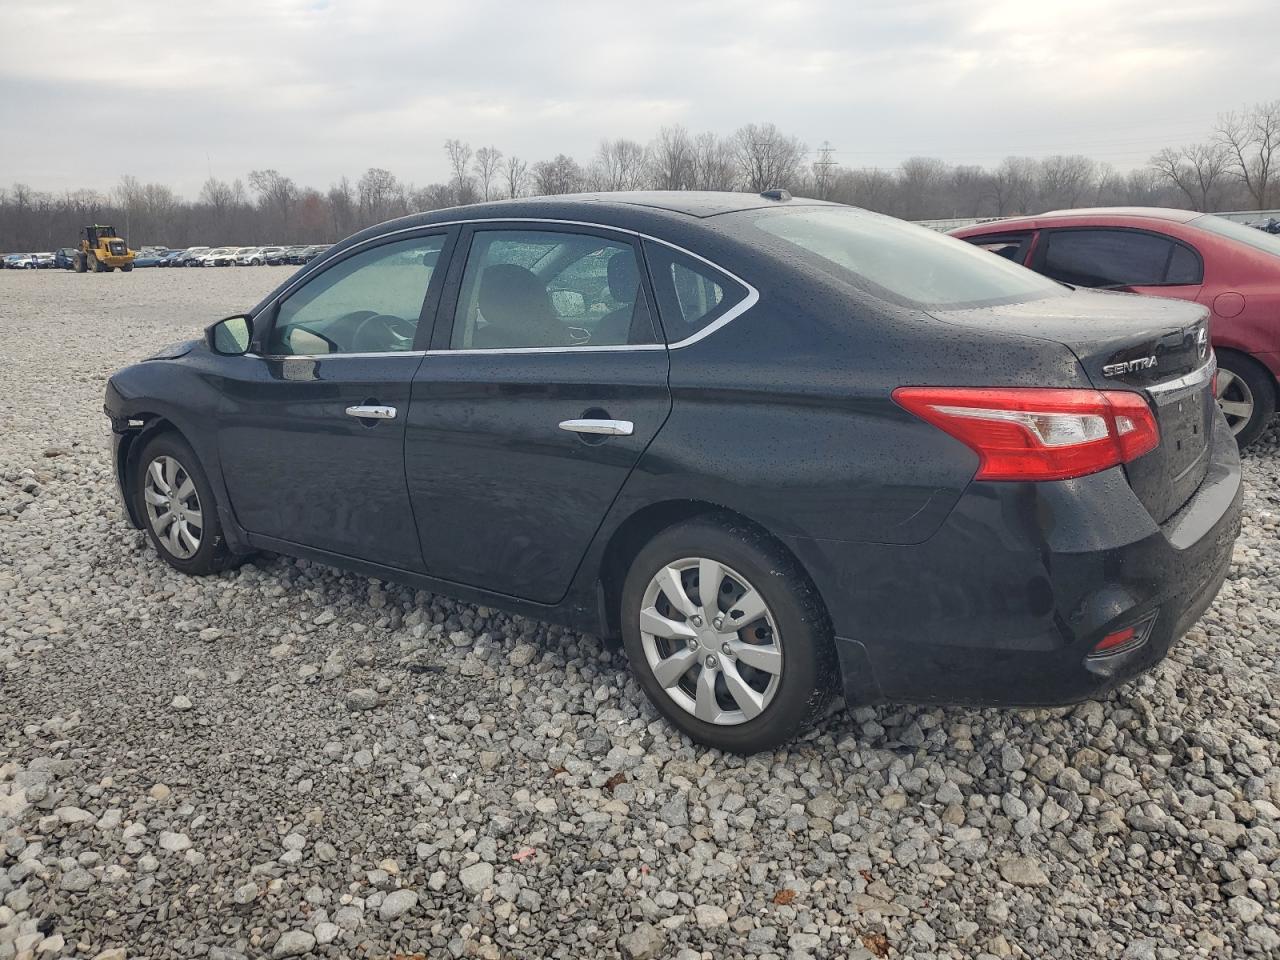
(1032, 433)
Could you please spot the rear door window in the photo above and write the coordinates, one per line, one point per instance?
(692, 295)
(1184, 266)
(1115, 258)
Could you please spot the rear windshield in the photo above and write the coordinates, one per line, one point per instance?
(1258, 239)
(901, 262)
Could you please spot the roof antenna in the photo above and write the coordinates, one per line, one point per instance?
(775, 194)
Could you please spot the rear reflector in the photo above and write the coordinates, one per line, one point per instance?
(1124, 640)
(1117, 639)
(1031, 433)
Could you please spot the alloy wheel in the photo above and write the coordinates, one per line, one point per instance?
(173, 507)
(711, 641)
(1235, 398)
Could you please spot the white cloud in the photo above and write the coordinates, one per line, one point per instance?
(318, 89)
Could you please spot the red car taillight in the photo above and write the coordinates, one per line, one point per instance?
(1032, 433)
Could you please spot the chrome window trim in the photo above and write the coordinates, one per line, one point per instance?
(585, 348)
(737, 310)
(335, 356)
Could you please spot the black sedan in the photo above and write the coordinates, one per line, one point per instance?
(781, 447)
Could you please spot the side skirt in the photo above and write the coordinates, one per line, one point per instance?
(571, 613)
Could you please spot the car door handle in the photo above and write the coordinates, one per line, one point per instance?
(370, 411)
(605, 428)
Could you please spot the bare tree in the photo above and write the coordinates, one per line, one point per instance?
(459, 154)
(969, 188)
(1197, 170)
(277, 195)
(1251, 140)
(1143, 188)
(380, 195)
(1065, 181)
(516, 174)
(671, 163)
(870, 188)
(342, 207)
(921, 180)
(561, 175)
(487, 162)
(1013, 185)
(619, 165)
(766, 157)
(712, 163)
(434, 196)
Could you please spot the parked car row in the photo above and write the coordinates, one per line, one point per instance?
(274, 256)
(231, 256)
(27, 261)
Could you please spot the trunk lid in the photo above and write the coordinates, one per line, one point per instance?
(1154, 345)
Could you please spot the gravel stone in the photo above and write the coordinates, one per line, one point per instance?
(709, 916)
(643, 943)
(174, 842)
(1023, 872)
(362, 699)
(294, 943)
(509, 772)
(476, 878)
(397, 903)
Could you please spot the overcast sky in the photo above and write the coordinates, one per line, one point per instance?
(318, 88)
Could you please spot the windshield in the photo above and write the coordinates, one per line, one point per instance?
(901, 262)
(1266, 242)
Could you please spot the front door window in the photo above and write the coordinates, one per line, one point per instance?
(369, 303)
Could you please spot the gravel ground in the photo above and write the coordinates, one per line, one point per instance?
(287, 760)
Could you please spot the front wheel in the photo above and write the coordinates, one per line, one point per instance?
(177, 507)
(1246, 395)
(127, 268)
(727, 636)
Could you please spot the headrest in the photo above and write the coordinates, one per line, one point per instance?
(624, 277)
(507, 289)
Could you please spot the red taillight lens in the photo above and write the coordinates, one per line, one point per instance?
(1028, 433)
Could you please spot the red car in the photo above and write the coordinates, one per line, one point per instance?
(1232, 269)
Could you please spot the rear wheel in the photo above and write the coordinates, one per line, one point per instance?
(177, 507)
(1246, 395)
(727, 636)
(126, 268)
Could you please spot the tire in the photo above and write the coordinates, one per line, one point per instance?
(1247, 395)
(81, 263)
(210, 554)
(127, 268)
(793, 634)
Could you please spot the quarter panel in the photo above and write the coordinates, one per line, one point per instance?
(786, 413)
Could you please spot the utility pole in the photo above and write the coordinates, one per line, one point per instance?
(823, 169)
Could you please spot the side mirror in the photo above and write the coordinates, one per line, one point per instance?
(230, 337)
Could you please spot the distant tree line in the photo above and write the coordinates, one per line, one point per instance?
(1235, 168)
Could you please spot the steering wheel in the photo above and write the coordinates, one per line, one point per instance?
(383, 333)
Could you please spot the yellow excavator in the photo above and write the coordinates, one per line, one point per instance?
(102, 250)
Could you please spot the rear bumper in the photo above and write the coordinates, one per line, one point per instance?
(1003, 605)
